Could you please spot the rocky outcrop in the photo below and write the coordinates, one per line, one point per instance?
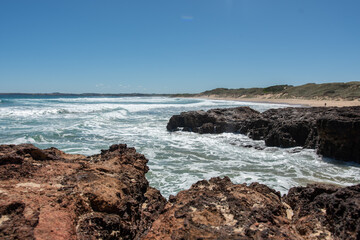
(339, 134)
(325, 211)
(335, 132)
(219, 209)
(48, 194)
(214, 121)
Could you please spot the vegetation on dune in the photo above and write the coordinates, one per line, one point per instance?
(347, 91)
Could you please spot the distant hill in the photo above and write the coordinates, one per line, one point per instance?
(346, 91)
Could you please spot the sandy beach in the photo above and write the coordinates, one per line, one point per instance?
(305, 102)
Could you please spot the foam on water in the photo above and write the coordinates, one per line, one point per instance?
(176, 160)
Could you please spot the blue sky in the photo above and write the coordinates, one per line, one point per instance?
(175, 46)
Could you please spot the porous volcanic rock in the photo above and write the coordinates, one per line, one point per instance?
(219, 209)
(47, 194)
(334, 131)
(325, 209)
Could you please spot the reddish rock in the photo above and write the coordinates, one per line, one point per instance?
(219, 209)
(47, 194)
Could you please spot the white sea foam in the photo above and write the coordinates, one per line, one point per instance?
(176, 160)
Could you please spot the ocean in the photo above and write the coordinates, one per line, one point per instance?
(85, 125)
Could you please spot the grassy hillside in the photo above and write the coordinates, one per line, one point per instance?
(348, 91)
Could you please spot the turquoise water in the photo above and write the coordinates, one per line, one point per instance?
(87, 124)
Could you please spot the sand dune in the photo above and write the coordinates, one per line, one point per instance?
(307, 102)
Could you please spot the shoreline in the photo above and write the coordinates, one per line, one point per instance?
(290, 101)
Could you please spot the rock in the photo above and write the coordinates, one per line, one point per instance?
(212, 121)
(47, 194)
(334, 131)
(332, 210)
(219, 209)
(292, 127)
(339, 135)
(14, 224)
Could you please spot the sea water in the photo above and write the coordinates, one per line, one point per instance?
(85, 125)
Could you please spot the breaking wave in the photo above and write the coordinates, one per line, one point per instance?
(176, 160)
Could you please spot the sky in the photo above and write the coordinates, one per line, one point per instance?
(175, 46)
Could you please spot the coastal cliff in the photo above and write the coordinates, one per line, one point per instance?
(334, 132)
(48, 194)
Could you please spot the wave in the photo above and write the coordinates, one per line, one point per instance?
(110, 99)
(66, 106)
(52, 109)
(3, 101)
(177, 159)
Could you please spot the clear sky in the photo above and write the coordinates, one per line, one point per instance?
(175, 46)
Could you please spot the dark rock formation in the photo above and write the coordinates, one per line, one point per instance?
(334, 131)
(213, 121)
(48, 194)
(219, 209)
(339, 134)
(325, 208)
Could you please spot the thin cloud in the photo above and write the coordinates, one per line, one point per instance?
(187, 18)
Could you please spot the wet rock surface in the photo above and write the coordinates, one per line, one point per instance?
(335, 132)
(48, 194)
(339, 134)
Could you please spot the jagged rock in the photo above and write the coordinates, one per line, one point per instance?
(339, 134)
(219, 209)
(47, 194)
(106, 196)
(325, 208)
(292, 127)
(334, 131)
(212, 121)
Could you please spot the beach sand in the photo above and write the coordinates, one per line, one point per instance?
(305, 102)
